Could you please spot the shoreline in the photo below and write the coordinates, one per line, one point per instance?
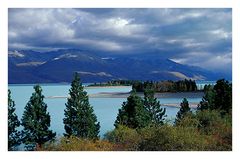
(177, 105)
(141, 94)
(157, 95)
(107, 86)
(192, 105)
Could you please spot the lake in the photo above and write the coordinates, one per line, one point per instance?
(106, 109)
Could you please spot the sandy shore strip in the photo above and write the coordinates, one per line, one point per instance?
(106, 87)
(191, 105)
(126, 94)
(157, 95)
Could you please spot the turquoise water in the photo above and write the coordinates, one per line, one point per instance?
(106, 109)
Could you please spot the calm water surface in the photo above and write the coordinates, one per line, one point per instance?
(106, 109)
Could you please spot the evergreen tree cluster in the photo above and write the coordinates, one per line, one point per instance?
(35, 122)
(138, 113)
(217, 97)
(132, 112)
(166, 86)
(80, 120)
(157, 86)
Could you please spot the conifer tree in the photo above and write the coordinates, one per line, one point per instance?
(36, 122)
(218, 97)
(153, 107)
(13, 124)
(80, 120)
(184, 110)
(223, 97)
(133, 114)
(208, 98)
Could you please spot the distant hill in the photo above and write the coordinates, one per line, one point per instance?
(26, 66)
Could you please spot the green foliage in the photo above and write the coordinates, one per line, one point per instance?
(217, 129)
(133, 113)
(205, 131)
(124, 138)
(80, 120)
(74, 143)
(208, 98)
(170, 138)
(138, 86)
(36, 121)
(223, 98)
(217, 97)
(212, 123)
(185, 86)
(214, 114)
(191, 134)
(189, 120)
(184, 110)
(166, 86)
(153, 107)
(13, 124)
(208, 119)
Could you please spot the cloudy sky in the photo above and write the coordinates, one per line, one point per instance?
(200, 37)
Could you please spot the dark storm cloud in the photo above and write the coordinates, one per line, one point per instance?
(201, 37)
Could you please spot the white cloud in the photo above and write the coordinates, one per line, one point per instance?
(175, 33)
(220, 33)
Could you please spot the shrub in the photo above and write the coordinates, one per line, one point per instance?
(189, 120)
(219, 127)
(125, 138)
(208, 120)
(169, 138)
(78, 144)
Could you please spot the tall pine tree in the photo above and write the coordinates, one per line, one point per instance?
(208, 98)
(36, 122)
(80, 119)
(223, 98)
(13, 124)
(217, 97)
(184, 110)
(153, 107)
(133, 114)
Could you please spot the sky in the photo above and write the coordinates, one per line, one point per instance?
(198, 37)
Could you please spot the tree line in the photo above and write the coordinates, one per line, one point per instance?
(157, 86)
(81, 122)
(166, 86)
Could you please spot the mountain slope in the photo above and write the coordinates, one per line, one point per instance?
(58, 66)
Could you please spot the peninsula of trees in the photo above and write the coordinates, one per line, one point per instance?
(157, 86)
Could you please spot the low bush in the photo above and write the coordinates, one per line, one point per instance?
(171, 138)
(78, 144)
(124, 138)
(212, 123)
(204, 131)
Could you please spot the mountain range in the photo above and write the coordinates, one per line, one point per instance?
(27, 66)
